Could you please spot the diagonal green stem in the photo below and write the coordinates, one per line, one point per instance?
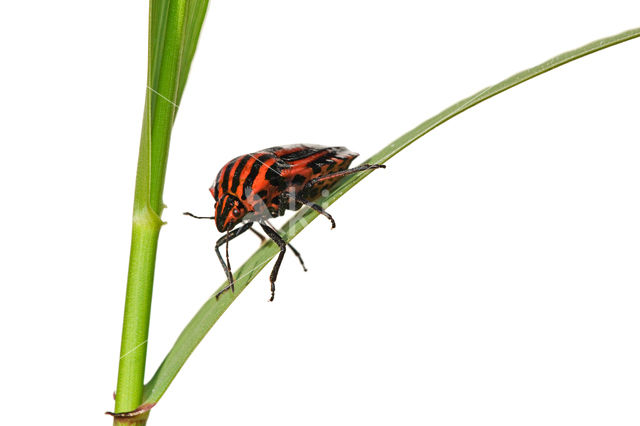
(212, 309)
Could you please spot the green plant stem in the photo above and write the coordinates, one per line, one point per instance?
(174, 28)
(166, 103)
(213, 308)
(144, 242)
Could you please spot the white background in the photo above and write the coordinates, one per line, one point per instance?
(488, 276)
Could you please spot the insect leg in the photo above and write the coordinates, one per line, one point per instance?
(314, 206)
(259, 235)
(227, 268)
(296, 252)
(341, 173)
(273, 234)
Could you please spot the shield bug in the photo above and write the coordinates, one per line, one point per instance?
(259, 186)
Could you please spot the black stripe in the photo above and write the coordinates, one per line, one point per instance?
(273, 149)
(274, 177)
(263, 195)
(216, 185)
(225, 179)
(299, 155)
(298, 180)
(219, 207)
(227, 207)
(316, 165)
(236, 175)
(255, 169)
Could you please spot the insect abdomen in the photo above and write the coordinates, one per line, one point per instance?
(310, 161)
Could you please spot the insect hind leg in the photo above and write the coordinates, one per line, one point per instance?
(342, 173)
(299, 199)
(328, 176)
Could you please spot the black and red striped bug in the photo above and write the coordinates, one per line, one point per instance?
(262, 185)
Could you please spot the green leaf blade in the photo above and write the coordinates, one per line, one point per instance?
(209, 313)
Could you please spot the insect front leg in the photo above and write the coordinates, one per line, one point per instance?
(225, 264)
(273, 234)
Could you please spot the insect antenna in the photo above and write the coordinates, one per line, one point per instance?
(198, 217)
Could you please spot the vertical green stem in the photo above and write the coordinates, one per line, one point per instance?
(166, 46)
(135, 330)
(166, 95)
(137, 311)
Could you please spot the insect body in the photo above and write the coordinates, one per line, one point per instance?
(262, 185)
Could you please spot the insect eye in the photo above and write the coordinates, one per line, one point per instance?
(236, 212)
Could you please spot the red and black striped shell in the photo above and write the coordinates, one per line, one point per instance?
(249, 186)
